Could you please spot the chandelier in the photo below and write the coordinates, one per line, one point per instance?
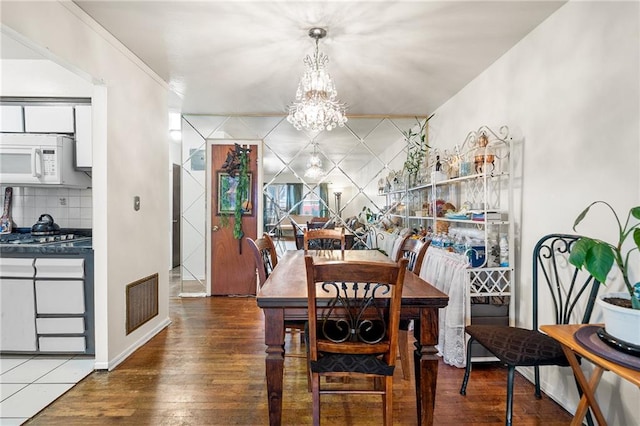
(316, 107)
(314, 168)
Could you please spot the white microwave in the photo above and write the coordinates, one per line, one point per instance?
(28, 159)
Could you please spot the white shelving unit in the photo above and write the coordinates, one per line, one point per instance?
(478, 175)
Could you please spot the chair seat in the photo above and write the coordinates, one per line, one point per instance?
(350, 363)
(518, 346)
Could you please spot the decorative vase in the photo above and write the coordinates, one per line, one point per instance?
(621, 323)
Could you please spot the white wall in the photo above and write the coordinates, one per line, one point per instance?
(569, 91)
(41, 78)
(130, 158)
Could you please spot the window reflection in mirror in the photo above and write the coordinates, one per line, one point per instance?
(353, 159)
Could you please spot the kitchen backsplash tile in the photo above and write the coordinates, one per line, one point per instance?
(70, 208)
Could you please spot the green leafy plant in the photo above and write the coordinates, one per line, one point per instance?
(598, 257)
(237, 165)
(416, 147)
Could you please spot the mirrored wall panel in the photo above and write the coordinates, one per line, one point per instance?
(332, 177)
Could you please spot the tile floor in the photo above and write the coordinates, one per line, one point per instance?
(30, 383)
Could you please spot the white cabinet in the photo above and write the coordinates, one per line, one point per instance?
(49, 119)
(17, 311)
(44, 305)
(60, 304)
(59, 268)
(17, 328)
(13, 267)
(84, 150)
(11, 118)
(59, 297)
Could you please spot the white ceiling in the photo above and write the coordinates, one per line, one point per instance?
(388, 58)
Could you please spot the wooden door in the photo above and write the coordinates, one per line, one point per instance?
(232, 263)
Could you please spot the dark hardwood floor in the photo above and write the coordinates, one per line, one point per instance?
(207, 368)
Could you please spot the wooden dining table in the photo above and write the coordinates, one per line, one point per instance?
(283, 297)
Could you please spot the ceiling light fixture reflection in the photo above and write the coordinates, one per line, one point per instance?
(314, 168)
(316, 107)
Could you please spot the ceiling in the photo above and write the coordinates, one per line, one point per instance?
(387, 58)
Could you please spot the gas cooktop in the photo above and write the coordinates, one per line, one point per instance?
(26, 238)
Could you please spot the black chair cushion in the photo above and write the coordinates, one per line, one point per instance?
(518, 346)
(335, 363)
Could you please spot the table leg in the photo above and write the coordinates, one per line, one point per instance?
(274, 339)
(426, 364)
(588, 390)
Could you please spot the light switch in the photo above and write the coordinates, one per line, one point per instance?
(136, 203)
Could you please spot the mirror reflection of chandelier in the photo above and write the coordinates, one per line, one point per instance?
(314, 168)
(316, 107)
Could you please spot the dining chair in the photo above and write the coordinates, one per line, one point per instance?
(324, 239)
(321, 225)
(413, 250)
(563, 288)
(354, 313)
(265, 256)
(266, 259)
(297, 230)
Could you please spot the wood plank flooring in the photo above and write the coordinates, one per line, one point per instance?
(207, 368)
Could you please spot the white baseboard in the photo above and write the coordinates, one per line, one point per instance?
(113, 363)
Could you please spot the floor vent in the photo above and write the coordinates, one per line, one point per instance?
(142, 301)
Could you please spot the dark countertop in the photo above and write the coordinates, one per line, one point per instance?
(82, 243)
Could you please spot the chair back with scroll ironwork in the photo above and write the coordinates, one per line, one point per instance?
(354, 312)
(324, 239)
(567, 289)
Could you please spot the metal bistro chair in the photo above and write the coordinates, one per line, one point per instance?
(354, 313)
(565, 287)
(414, 251)
(266, 259)
(324, 239)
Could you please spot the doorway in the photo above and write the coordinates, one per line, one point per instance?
(175, 218)
(232, 270)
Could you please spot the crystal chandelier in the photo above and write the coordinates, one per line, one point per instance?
(316, 107)
(314, 168)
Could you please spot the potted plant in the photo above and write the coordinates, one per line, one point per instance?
(416, 149)
(599, 257)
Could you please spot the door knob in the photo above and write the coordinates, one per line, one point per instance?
(214, 228)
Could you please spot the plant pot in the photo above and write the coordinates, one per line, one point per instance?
(621, 323)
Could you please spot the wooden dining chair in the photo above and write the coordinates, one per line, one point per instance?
(297, 230)
(414, 251)
(266, 259)
(265, 256)
(354, 313)
(565, 289)
(321, 223)
(324, 239)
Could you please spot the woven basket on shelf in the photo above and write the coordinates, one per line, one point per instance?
(442, 227)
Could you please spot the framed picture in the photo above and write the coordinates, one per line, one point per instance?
(227, 186)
